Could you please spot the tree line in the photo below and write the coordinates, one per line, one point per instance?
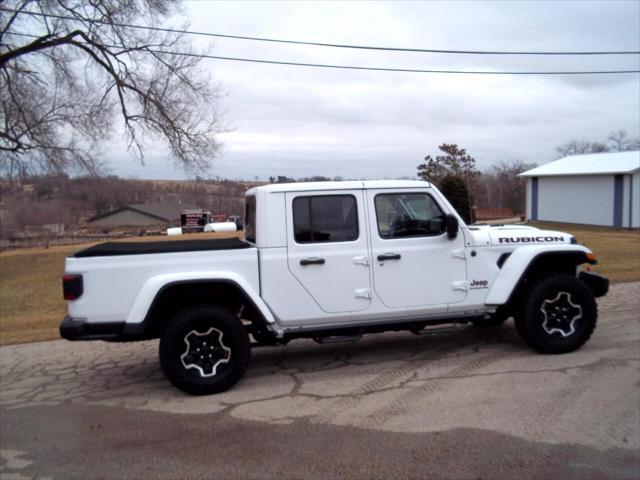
(618, 141)
(45, 199)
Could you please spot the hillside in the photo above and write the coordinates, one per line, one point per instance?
(71, 201)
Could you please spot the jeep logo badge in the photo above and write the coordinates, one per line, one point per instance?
(477, 284)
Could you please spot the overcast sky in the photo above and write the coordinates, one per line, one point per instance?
(299, 122)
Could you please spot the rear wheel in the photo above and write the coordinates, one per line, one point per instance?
(558, 315)
(204, 350)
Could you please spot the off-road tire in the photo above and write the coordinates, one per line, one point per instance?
(541, 327)
(229, 346)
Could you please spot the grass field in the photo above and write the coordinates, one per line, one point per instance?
(31, 304)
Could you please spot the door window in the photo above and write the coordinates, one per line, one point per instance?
(325, 218)
(401, 215)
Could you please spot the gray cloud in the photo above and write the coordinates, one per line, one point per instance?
(306, 121)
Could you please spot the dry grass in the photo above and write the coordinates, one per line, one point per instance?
(31, 304)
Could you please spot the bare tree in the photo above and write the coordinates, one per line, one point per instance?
(72, 72)
(620, 141)
(580, 147)
(510, 187)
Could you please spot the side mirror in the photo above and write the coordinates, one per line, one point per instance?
(451, 226)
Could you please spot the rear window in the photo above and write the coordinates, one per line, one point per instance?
(326, 218)
(250, 219)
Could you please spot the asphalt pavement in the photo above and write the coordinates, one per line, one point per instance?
(469, 403)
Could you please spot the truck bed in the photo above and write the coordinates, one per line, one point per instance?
(120, 280)
(174, 246)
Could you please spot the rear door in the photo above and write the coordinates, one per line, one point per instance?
(414, 263)
(327, 249)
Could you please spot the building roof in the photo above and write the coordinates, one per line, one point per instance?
(165, 211)
(342, 185)
(591, 164)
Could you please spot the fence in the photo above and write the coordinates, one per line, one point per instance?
(493, 213)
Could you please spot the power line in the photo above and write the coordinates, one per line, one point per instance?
(353, 67)
(330, 45)
(403, 70)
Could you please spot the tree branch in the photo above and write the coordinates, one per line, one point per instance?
(41, 43)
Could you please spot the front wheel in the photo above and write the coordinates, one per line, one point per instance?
(558, 315)
(204, 350)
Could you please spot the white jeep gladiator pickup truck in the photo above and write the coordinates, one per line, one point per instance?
(328, 261)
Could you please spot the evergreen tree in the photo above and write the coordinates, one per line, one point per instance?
(456, 191)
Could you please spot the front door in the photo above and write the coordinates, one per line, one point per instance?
(327, 248)
(414, 263)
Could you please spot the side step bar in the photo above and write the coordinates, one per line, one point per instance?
(436, 330)
(352, 334)
(338, 339)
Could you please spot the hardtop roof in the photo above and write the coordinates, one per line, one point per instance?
(341, 185)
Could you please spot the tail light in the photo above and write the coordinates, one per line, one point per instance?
(71, 286)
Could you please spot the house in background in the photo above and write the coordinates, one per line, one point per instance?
(593, 189)
(141, 215)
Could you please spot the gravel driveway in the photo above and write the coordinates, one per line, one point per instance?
(469, 403)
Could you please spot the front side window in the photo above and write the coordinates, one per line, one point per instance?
(401, 215)
(250, 219)
(325, 218)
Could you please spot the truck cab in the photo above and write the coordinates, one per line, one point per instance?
(356, 250)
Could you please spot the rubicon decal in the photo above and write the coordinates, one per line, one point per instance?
(530, 239)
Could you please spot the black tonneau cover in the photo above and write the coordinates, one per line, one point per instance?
(140, 248)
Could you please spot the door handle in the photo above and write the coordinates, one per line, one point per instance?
(312, 261)
(389, 256)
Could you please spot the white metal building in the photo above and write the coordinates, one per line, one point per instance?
(593, 189)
